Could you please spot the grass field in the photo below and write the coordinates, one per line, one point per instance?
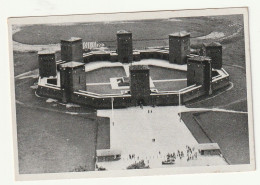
(236, 92)
(170, 86)
(162, 73)
(237, 106)
(103, 89)
(103, 32)
(234, 64)
(103, 133)
(230, 131)
(104, 74)
(26, 95)
(50, 139)
(54, 142)
(231, 135)
(161, 86)
(24, 62)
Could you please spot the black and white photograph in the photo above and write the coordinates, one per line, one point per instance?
(130, 94)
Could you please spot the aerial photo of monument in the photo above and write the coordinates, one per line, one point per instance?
(131, 94)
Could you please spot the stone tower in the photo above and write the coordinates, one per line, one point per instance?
(214, 51)
(72, 49)
(199, 72)
(124, 46)
(140, 84)
(72, 78)
(179, 47)
(47, 63)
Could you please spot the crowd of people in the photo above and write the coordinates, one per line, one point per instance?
(190, 154)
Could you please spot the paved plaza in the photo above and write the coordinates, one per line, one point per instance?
(150, 133)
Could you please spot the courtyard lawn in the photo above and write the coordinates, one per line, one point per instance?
(161, 73)
(104, 74)
(103, 89)
(170, 85)
(50, 142)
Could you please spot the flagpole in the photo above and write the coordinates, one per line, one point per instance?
(180, 105)
(112, 106)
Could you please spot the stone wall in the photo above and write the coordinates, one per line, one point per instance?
(50, 92)
(220, 83)
(137, 55)
(122, 101)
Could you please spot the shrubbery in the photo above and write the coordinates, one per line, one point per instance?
(139, 165)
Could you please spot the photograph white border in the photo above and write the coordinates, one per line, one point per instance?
(136, 15)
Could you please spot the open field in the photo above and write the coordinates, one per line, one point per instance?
(106, 33)
(54, 142)
(50, 137)
(238, 106)
(24, 62)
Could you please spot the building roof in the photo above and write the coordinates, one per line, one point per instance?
(46, 52)
(208, 146)
(180, 34)
(107, 152)
(139, 67)
(212, 44)
(72, 64)
(123, 32)
(71, 39)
